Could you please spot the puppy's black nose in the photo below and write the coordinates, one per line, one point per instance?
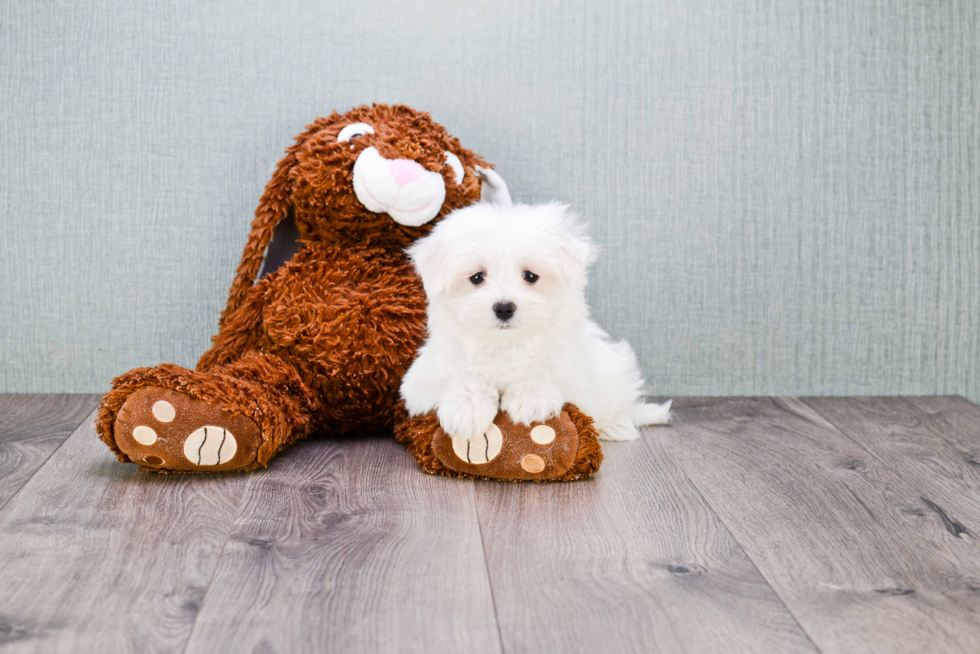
(504, 310)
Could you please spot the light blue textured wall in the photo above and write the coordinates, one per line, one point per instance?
(787, 192)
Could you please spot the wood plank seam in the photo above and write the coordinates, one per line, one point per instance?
(89, 417)
(217, 564)
(486, 563)
(799, 490)
(630, 560)
(953, 526)
(335, 532)
(748, 551)
(122, 556)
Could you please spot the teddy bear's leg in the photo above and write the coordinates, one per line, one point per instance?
(234, 416)
(563, 448)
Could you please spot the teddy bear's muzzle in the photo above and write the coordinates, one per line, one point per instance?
(401, 188)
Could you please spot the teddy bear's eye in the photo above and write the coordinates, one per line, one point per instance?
(477, 279)
(456, 165)
(352, 131)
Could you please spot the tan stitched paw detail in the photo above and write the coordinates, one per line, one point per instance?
(532, 463)
(542, 434)
(144, 435)
(210, 446)
(482, 449)
(164, 411)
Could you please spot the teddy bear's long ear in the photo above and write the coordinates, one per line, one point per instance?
(274, 207)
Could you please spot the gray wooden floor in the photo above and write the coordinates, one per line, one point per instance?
(749, 525)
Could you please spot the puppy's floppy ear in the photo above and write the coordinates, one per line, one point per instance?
(429, 257)
(575, 249)
(273, 208)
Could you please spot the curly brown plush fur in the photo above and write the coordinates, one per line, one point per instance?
(321, 343)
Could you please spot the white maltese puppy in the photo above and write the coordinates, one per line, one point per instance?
(509, 327)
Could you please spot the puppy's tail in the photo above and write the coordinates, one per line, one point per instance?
(651, 414)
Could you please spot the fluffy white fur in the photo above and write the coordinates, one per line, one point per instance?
(548, 353)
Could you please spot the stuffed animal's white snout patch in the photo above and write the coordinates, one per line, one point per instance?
(401, 188)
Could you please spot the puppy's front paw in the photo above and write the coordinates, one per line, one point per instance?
(466, 416)
(469, 422)
(482, 448)
(531, 402)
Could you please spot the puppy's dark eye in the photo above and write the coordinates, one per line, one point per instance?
(530, 277)
(477, 279)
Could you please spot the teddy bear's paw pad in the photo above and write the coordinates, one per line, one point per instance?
(204, 449)
(511, 450)
(482, 449)
(542, 434)
(165, 430)
(532, 463)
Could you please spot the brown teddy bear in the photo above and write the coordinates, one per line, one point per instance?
(317, 340)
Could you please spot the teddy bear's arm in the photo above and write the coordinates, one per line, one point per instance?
(240, 333)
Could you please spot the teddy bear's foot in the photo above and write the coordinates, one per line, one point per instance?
(168, 431)
(563, 448)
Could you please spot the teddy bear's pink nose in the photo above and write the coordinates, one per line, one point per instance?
(406, 171)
